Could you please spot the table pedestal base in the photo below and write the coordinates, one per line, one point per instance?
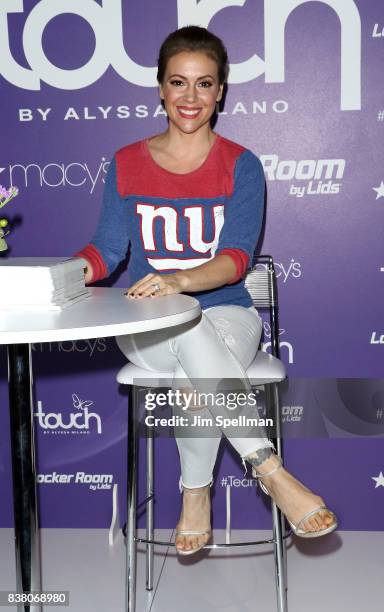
(27, 544)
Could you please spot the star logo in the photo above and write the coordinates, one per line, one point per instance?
(379, 190)
(2, 170)
(379, 480)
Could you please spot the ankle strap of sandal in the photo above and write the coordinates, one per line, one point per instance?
(255, 475)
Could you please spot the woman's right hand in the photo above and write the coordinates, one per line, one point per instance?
(87, 270)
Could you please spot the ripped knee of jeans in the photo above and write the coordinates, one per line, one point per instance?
(223, 328)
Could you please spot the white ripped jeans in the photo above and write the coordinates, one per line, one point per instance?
(221, 344)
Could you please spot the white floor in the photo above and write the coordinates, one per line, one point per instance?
(343, 571)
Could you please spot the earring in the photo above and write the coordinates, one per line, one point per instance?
(217, 108)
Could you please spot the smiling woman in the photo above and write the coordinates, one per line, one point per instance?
(190, 91)
(192, 68)
(190, 204)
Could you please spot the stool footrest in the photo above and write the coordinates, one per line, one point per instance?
(146, 501)
(234, 544)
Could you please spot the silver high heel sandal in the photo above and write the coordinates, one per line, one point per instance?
(295, 528)
(188, 532)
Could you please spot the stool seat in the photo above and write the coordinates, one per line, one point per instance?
(264, 369)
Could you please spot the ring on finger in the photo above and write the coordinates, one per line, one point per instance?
(156, 287)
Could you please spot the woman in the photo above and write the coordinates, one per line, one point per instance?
(190, 204)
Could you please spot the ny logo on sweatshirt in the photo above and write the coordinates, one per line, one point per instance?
(180, 231)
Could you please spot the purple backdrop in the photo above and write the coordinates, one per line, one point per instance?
(305, 96)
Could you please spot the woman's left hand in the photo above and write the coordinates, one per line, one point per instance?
(155, 285)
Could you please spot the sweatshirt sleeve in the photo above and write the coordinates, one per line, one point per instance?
(243, 214)
(109, 245)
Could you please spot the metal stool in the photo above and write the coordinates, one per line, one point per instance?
(267, 370)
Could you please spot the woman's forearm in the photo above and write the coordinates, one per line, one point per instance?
(217, 272)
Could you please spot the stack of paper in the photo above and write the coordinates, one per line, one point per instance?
(41, 282)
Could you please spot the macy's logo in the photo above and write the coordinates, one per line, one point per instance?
(58, 174)
(76, 422)
(106, 21)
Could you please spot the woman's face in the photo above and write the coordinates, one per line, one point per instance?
(190, 90)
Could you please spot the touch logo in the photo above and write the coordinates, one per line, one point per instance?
(106, 21)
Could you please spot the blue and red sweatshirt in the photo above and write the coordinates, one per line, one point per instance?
(179, 221)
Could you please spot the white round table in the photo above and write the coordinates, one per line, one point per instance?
(106, 313)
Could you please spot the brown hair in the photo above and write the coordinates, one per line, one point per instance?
(193, 38)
